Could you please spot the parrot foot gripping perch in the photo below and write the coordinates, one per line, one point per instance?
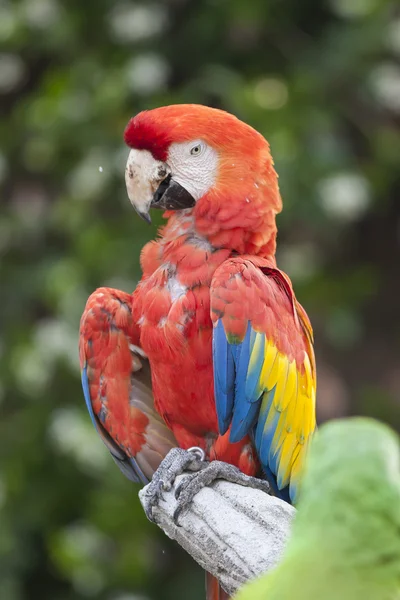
(192, 484)
(176, 462)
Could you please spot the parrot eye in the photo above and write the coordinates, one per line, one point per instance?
(196, 150)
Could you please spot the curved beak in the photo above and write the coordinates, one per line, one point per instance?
(150, 184)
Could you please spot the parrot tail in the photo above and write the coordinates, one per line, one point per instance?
(214, 590)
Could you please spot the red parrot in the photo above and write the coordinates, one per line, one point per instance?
(229, 347)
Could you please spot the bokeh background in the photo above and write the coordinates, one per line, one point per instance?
(321, 80)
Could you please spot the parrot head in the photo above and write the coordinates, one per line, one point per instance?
(207, 162)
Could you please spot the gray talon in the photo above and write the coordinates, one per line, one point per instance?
(202, 474)
(177, 513)
(175, 463)
(183, 484)
(193, 483)
(153, 495)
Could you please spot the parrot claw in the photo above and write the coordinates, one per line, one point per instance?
(175, 463)
(192, 484)
(152, 497)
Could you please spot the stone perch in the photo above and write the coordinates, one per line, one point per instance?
(233, 532)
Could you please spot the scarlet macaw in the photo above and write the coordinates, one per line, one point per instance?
(229, 346)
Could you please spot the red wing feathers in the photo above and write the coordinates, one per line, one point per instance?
(117, 385)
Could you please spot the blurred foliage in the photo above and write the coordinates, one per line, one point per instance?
(321, 80)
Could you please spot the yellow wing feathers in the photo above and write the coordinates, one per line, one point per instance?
(287, 414)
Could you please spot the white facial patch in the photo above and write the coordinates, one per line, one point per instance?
(194, 166)
(143, 175)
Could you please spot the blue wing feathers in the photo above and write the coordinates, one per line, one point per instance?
(271, 478)
(264, 433)
(240, 400)
(245, 412)
(86, 393)
(224, 377)
(237, 390)
(243, 420)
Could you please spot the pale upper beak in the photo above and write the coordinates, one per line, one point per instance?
(150, 184)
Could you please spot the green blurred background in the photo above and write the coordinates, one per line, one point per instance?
(321, 80)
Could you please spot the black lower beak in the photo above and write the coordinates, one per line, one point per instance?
(170, 195)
